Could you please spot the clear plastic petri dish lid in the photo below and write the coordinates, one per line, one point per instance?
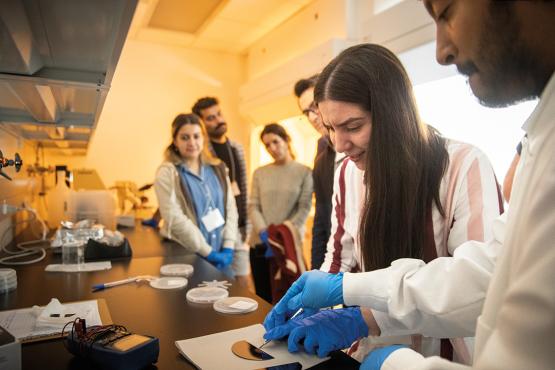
(177, 269)
(169, 283)
(8, 280)
(206, 294)
(236, 305)
(7, 273)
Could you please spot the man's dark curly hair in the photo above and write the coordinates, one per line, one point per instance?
(304, 84)
(204, 103)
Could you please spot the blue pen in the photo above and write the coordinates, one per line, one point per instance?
(98, 287)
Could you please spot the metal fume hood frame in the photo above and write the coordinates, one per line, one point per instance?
(57, 61)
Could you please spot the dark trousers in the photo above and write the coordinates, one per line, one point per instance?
(260, 268)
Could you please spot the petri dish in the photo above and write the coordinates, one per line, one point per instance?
(206, 294)
(177, 269)
(236, 305)
(168, 283)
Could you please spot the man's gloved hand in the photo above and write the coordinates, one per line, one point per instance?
(376, 358)
(313, 290)
(264, 238)
(323, 332)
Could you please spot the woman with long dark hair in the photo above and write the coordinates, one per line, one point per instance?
(195, 197)
(405, 192)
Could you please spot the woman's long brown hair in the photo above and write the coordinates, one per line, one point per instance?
(406, 159)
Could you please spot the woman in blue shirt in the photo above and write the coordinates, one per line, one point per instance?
(195, 197)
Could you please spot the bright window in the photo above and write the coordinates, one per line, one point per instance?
(304, 142)
(449, 105)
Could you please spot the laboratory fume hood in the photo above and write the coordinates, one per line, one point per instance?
(57, 60)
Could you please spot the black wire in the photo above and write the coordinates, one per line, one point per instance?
(91, 335)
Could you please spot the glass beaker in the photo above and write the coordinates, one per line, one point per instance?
(73, 253)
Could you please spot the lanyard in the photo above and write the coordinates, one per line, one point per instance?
(210, 205)
(204, 188)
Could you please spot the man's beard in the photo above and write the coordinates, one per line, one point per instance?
(218, 131)
(510, 72)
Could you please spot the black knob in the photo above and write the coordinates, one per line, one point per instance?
(18, 162)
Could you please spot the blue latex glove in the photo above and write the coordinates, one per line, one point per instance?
(313, 290)
(376, 358)
(264, 238)
(220, 259)
(228, 255)
(326, 331)
(152, 222)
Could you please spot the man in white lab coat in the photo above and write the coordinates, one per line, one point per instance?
(506, 49)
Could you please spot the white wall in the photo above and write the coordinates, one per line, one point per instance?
(401, 27)
(297, 48)
(318, 22)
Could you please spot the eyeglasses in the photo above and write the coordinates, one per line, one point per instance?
(312, 108)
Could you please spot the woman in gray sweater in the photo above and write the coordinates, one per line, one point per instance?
(281, 191)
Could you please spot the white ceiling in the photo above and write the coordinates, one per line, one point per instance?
(221, 25)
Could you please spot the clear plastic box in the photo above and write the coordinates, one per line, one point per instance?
(98, 205)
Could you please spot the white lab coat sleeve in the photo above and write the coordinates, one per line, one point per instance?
(477, 205)
(232, 236)
(231, 228)
(177, 226)
(440, 299)
(523, 333)
(340, 249)
(407, 359)
(241, 263)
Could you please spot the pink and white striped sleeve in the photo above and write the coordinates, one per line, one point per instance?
(340, 254)
(476, 199)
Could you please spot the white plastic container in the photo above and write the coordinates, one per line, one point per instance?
(8, 280)
(99, 205)
(56, 200)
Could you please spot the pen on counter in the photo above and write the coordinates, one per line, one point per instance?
(98, 287)
(299, 311)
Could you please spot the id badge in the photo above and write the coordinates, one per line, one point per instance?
(212, 219)
(235, 188)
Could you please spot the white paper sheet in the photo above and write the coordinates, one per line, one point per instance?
(22, 323)
(214, 351)
(83, 267)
